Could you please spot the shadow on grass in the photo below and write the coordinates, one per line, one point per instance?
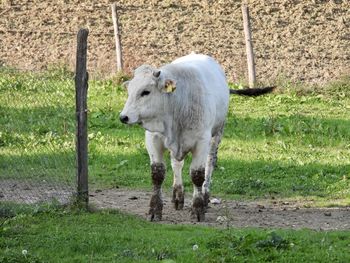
(59, 119)
(40, 120)
(39, 166)
(248, 178)
(272, 178)
(37, 120)
(311, 128)
(244, 178)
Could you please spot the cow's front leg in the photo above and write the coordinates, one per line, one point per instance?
(199, 157)
(156, 204)
(178, 188)
(155, 148)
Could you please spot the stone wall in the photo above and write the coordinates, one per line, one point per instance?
(293, 39)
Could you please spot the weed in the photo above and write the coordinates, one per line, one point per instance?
(275, 241)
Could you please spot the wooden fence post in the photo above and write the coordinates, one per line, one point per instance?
(249, 46)
(81, 88)
(118, 46)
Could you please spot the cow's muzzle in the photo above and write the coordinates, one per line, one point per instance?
(124, 119)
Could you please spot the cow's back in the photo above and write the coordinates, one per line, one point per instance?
(214, 85)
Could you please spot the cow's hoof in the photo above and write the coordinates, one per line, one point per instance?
(156, 208)
(155, 217)
(178, 197)
(179, 204)
(198, 209)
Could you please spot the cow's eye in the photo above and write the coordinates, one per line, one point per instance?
(145, 93)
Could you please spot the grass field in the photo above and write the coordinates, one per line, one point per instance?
(293, 144)
(287, 144)
(56, 235)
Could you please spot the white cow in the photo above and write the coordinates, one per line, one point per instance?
(183, 107)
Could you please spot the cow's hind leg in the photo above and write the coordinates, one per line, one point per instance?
(199, 156)
(178, 188)
(155, 148)
(210, 165)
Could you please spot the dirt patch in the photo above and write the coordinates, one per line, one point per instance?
(265, 213)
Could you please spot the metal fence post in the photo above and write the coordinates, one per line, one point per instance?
(81, 88)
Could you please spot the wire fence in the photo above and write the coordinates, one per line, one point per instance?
(37, 137)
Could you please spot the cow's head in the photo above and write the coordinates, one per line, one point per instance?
(147, 93)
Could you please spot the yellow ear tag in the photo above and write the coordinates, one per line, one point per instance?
(170, 88)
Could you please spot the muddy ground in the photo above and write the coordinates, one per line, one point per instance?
(229, 213)
(265, 213)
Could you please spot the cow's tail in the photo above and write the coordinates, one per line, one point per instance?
(252, 92)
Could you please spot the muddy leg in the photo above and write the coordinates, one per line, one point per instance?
(178, 189)
(199, 157)
(155, 148)
(156, 204)
(198, 205)
(210, 165)
(178, 197)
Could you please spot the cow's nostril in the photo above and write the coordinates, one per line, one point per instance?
(124, 119)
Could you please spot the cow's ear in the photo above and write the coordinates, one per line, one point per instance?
(166, 85)
(125, 84)
(169, 86)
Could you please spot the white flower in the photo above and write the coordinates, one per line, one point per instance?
(221, 219)
(195, 247)
(24, 252)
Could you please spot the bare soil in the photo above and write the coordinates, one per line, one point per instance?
(31, 192)
(229, 213)
(298, 40)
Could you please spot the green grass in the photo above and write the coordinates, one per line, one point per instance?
(285, 145)
(56, 235)
(291, 144)
(37, 126)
